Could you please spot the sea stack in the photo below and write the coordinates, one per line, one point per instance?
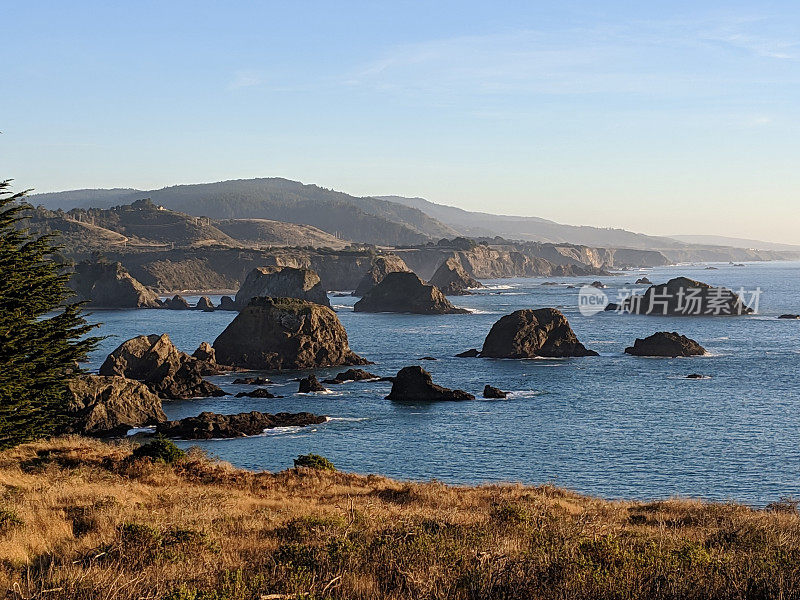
(380, 268)
(666, 344)
(452, 279)
(155, 361)
(281, 282)
(414, 384)
(528, 333)
(404, 292)
(684, 297)
(285, 333)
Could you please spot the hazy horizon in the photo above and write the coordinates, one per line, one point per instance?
(672, 120)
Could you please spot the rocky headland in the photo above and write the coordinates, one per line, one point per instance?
(109, 285)
(208, 425)
(110, 405)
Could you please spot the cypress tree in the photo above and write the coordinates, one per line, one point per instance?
(43, 337)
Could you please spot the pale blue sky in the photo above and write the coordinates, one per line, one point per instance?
(660, 117)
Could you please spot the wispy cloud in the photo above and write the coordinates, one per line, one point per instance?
(244, 79)
(646, 57)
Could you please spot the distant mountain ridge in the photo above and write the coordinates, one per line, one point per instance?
(535, 229)
(367, 220)
(391, 220)
(721, 240)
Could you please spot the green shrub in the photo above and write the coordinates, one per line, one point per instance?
(314, 461)
(160, 449)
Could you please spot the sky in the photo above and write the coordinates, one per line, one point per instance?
(659, 117)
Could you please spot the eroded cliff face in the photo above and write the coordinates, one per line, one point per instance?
(490, 262)
(226, 268)
(221, 268)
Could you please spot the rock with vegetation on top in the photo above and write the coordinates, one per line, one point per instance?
(177, 302)
(493, 392)
(208, 425)
(414, 384)
(310, 384)
(352, 375)
(155, 361)
(281, 282)
(109, 285)
(381, 266)
(530, 333)
(406, 293)
(285, 333)
(204, 304)
(110, 405)
(664, 343)
(684, 297)
(452, 279)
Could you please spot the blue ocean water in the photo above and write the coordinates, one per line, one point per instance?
(615, 426)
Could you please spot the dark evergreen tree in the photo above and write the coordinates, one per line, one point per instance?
(43, 338)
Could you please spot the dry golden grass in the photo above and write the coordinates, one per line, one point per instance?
(80, 519)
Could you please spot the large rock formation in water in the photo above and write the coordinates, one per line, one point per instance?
(285, 333)
(110, 405)
(155, 361)
(281, 282)
(406, 293)
(530, 333)
(664, 343)
(414, 384)
(109, 285)
(380, 268)
(684, 297)
(452, 279)
(208, 425)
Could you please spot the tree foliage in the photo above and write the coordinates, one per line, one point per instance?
(43, 337)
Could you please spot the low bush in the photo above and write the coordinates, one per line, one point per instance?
(160, 449)
(314, 461)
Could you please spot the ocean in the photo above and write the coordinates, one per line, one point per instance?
(614, 426)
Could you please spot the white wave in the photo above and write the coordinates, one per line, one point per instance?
(136, 430)
(291, 430)
(524, 393)
(499, 287)
(348, 419)
(341, 307)
(326, 391)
